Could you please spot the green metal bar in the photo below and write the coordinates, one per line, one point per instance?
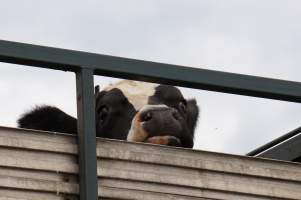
(283, 141)
(86, 135)
(69, 60)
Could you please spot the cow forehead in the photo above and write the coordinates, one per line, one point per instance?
(136, 92)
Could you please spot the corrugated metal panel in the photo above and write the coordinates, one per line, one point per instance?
(42, 165)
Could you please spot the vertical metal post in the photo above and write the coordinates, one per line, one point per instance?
(86, 134)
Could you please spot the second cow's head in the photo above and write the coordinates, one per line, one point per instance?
(146, 112)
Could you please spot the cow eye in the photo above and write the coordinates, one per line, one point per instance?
(183, 105)
(102, 113)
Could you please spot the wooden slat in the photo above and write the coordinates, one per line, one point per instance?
(117, 190)
(37, 140)
(11, 194)
(200, 179)
(38, 185)
(177, 190)
(33, 182)
(241, 165)
(38, 160)
(152, 185)
(38, 175)
(126, 194)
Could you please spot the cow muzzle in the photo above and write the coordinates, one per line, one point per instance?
(156, 124)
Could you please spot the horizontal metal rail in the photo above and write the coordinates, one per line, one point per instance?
(68, 60)
(281, 148)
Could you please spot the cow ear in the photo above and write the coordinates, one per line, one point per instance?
(96, 94)
(192, 114)
(96, 89)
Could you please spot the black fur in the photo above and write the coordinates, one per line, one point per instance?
(48, 118)
(116, 122)
(114, 115)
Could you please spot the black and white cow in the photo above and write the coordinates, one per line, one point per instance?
(129, 110)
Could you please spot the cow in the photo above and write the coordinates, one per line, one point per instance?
(129, 110)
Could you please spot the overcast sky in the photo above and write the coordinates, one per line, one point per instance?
(256, 37)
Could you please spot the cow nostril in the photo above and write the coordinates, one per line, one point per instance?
(146, 117)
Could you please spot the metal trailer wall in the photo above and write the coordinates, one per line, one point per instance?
(39, 165)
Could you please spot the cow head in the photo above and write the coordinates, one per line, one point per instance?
(146, 112)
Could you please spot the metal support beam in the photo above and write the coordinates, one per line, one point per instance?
(288, 150)
(86, 134)
(69, 60)
(286, 147)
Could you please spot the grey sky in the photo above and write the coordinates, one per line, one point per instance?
(253, 37)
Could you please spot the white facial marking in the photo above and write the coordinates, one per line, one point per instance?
(152, 107)
(136, 92)
(136, 132)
